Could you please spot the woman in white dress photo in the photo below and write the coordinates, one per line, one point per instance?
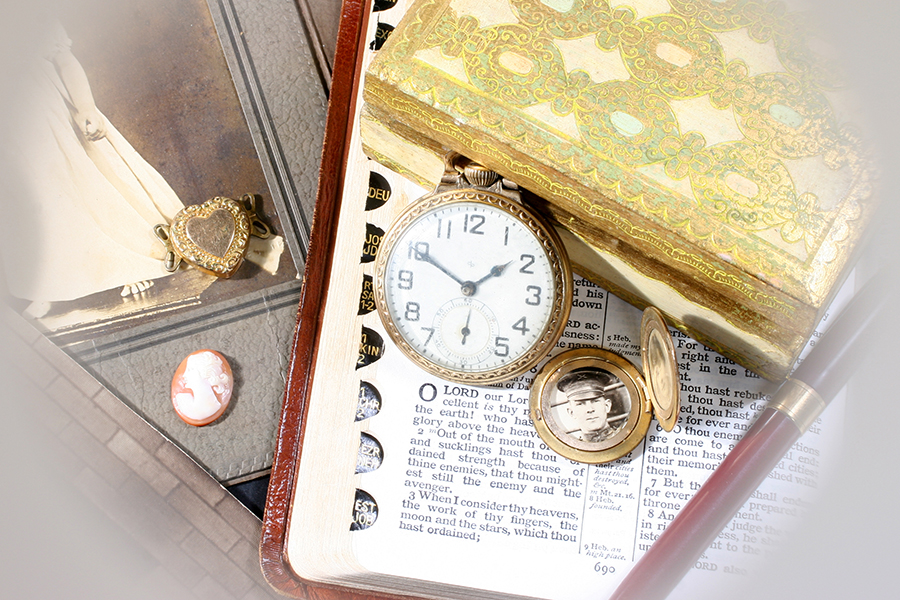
(87, 202)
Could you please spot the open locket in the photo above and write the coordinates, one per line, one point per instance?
(593, 406)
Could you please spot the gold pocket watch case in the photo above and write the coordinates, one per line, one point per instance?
(470, 284)
(592, 405)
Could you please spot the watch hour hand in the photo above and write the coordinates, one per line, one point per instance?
(496, 271)
(470, 287)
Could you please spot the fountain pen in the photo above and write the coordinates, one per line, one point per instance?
(795, 405)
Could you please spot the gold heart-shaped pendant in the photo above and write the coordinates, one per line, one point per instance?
(212, 236)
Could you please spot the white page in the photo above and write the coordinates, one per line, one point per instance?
(540, 525)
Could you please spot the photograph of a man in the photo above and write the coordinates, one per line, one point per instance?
(596, 400)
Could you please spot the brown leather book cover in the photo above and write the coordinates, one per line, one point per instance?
(288, 448)
(346, 79)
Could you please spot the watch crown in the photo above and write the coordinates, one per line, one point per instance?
(479, 175)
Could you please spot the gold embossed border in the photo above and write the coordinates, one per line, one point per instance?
(518, 167)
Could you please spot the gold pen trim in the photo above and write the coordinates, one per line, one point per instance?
(799, 402)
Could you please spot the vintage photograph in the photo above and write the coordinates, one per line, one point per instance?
(588, 406)
(128, 114)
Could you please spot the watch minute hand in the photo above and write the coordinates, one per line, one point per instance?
(427, 258)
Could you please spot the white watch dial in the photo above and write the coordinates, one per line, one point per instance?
(471, 287)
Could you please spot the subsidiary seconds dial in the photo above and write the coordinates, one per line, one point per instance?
(472, 285)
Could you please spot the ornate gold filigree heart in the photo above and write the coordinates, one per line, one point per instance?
(212, 236)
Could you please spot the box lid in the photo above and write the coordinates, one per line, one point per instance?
(710, 138)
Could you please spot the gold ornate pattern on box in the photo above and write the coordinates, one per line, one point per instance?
(711, 125)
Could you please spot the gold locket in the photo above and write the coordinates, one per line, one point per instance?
(212, 236)
(592, 405)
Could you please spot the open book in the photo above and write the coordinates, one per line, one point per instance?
(391, 481)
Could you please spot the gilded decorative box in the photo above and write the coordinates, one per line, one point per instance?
(695, 154)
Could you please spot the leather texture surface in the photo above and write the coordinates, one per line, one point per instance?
(254, 335)
(281, 81)
(283, 95)
(273, 558)
(326, 14)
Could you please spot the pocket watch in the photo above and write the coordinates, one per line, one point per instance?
(594, 406)
(470, 284)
